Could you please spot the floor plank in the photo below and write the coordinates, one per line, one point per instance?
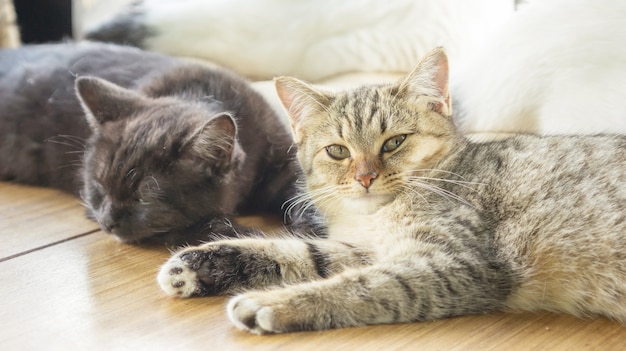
(32, 217)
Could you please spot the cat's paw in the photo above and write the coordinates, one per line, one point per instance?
(250, 314)
(215, 269)
(177, 279)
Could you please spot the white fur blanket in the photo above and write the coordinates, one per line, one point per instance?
(311, 40)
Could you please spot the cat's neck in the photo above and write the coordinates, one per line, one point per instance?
(352, 228)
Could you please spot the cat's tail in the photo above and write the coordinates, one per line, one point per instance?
(127, 27)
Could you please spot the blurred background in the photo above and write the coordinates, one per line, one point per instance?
(42, 21)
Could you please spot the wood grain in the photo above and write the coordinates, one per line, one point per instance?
(93, 293)
(34, 217)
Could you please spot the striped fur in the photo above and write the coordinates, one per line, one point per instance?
(424, 224)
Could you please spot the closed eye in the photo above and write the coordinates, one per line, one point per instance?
(393, 143)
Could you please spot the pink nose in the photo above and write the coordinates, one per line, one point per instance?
(366, 179)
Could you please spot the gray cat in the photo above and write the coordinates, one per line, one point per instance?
(423, 223)
(161, 149)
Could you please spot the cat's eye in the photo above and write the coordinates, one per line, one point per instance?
(338, 152)
(393, 143)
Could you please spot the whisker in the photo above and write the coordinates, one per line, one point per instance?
(69, 166)
(75, 138)
(440, 191)
(316, 197)
(61, 143)
(455, 182)
(406, 189)
(431, 170)
(69, 141)
(295, 201)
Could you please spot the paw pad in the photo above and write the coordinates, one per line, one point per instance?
(176, 279)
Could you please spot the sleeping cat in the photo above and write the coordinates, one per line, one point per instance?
(161, 149)
(423, 223)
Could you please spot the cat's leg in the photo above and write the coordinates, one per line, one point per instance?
(228, 266)
(375, 294)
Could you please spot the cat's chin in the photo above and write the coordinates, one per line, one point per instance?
(129, 237)
(367, 203)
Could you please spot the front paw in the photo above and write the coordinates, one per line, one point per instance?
(249, 314)
(177, 279)
(218, 268)
(202, 271)
(279, 310)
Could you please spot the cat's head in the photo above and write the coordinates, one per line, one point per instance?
(360, 148)
(153, 166)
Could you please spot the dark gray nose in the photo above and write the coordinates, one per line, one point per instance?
(111, 217)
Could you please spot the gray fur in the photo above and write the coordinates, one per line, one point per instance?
(162, 149)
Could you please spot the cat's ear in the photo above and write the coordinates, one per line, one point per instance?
(216, 141)
(103, 101)
(300, 100)
(430, 79)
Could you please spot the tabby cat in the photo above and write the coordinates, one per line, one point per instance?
(423, 223)
(168, 149)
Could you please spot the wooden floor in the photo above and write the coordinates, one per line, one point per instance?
(64, 285)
